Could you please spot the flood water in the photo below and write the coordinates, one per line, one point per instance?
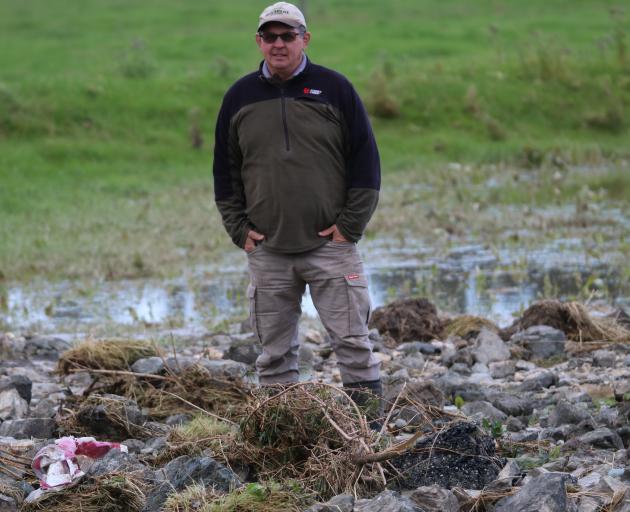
(467, 278)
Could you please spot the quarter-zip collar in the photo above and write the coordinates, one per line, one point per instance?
(265, 73)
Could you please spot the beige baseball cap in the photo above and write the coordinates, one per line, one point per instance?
(282, 12)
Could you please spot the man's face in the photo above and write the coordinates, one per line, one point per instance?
(282, 57)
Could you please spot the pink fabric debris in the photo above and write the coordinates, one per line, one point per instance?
(63, 463)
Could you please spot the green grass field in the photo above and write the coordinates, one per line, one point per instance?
(100, 103)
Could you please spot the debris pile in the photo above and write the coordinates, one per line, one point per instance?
(475, 418)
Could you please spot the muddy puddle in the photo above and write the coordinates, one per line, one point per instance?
(466, 278)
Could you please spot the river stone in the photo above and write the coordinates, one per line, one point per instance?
(39, 428)
(435, 499)
(387, 501)
(511, 405)
(184, 471)
(116, 461)
(224, 369)
(483, 409)
(490, 347)
(461, 455)
(544, 493)
(412, 347)
(12, 405)
(340, 503)
(541, 341)
(150, 365)
(48, 347)
(604, 358)
(540, 380)
(244, 350)
(566, 412)
(502, 369)
(21, 383)
(602, 438)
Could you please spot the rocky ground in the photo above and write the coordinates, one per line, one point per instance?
(532, 422)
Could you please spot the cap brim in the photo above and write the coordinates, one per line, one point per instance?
(284, 21)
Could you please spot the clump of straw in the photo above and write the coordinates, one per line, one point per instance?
(104, 355)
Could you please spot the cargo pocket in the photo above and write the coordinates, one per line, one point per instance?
(358, 304)
(251, 295)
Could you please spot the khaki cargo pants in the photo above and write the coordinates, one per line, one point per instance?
(338, 286)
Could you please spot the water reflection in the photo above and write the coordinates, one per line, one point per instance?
(468, 279)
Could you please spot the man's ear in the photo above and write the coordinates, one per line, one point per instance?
(258, 40)
(306, 38)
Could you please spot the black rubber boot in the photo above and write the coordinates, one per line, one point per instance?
(368, 395)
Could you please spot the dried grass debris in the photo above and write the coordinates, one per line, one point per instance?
(573, 319)
(468, 326)
(310, 433)
(104, 355)
(115, 492)
(408, 320)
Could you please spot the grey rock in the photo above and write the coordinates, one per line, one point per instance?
(184, 471)
(133, 445)
(39, 428)
(607, 416)
(340, 503)
(49, 347)
(452, 384)
(154, 445)
(462, 368)
(524, 436)
(244, 351)
(21, 383)
(44, 408)
(181, 363)
(423, 347)
(511, 404)
(604, 358)
(514, 424)
(560, 433)
(490, 347)
(624, 433)
(509, 476)
(540, 380)
(483, 409)
(12, 405)
(150, 365)
(415, 361)
(626, 361)
(387, 501)
(544, 493)
(591, 504)
(602, 438)
(224, 369)
(115, 461)
(435, 499)
(566, 412)
(459, 455)
(305, 356)
(502, 369)
(541, 341)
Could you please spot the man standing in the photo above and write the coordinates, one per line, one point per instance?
(296, 180)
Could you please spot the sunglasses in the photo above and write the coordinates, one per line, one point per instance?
(270, 37)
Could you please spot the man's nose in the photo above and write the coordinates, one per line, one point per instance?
(279, 43)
